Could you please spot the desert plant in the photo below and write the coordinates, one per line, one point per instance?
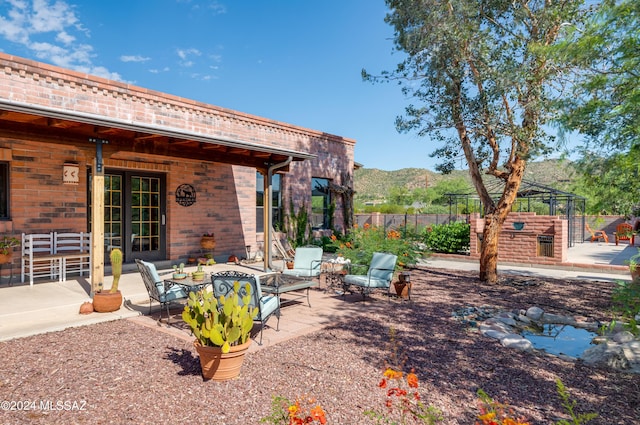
(7, 243)
(220, 322)
(116, 268)
(361, 242)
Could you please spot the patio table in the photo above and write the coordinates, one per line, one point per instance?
(188, 284)
(278, 284)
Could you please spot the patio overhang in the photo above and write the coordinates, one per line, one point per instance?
(71, 128)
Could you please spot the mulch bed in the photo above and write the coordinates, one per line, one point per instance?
(128, 373)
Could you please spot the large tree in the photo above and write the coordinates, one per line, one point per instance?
(483, 79)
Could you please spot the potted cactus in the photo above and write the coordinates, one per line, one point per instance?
(178, 272)
(198, 275)
(107, 301)
(222, 327)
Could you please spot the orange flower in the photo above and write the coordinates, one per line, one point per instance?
(367, 225)
(333, 238)
(318, 414)
(412, 380)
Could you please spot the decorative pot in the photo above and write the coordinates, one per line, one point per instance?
(197, 276)
(86, 308)
(6, 258)
(402, 289)
(106, 302)
(635, 273)
(179, 276)
(220, 366)
(208, 242)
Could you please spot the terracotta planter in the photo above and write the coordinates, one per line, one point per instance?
(635, 273)
(220, 366)
(208, 242)
(402, 289)
(106, 302)
(6, 258)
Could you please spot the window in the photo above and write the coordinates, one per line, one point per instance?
(320, 203)
(276, 202)
(4, 190)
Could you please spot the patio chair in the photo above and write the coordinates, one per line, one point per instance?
(155, 288)
(596, 235)
(378, 276)
(624, 232)
(267, 304)
(306, 262)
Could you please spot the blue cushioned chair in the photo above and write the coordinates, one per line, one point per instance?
(155, 287)
(306, 262)
(267, 304)
(378, 276)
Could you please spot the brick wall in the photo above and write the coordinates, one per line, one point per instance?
(521, 246)
(225, 194)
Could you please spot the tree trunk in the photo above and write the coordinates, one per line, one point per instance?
(489, 249)
(495, 216)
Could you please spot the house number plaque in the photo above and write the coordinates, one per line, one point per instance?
(186, 195)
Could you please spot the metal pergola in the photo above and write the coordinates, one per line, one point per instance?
(532, 197)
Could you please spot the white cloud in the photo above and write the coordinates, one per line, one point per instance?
(158, 71)
(50, 29)
(133, 58)
(217, 8)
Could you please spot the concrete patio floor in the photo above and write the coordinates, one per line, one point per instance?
(53, 306)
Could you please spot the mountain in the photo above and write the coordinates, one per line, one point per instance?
(374, 184)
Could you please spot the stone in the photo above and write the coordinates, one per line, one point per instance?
(622, 337)
(491, 333)
(507, 321)
(557, 319)
(535, 313)
(517, 342)
(611, 355)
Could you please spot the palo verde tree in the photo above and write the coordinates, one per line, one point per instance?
(482, 79)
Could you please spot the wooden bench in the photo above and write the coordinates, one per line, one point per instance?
(53, 255)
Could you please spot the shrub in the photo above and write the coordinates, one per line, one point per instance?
(448, 238)
(361, 242)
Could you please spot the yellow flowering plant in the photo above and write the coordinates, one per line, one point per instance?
(302, 411)
(495, 413)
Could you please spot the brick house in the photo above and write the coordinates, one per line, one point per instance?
(173, 168)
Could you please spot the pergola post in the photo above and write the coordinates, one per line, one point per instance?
(97, 219)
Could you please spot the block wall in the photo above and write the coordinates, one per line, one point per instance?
(521, 246)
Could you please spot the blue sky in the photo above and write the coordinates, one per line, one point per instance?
(295, 61)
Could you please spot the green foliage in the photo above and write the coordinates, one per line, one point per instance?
(299, 225)
(605, 102)
(116, 268)
(448, 238)
(569, 406)
(606, 182)
(626, 298)
(279, 414)
(8, 242)
(220, 322)
(361, 242)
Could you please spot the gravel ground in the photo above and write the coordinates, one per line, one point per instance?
(124, 373)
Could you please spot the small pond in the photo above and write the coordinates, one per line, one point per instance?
(561, 339)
